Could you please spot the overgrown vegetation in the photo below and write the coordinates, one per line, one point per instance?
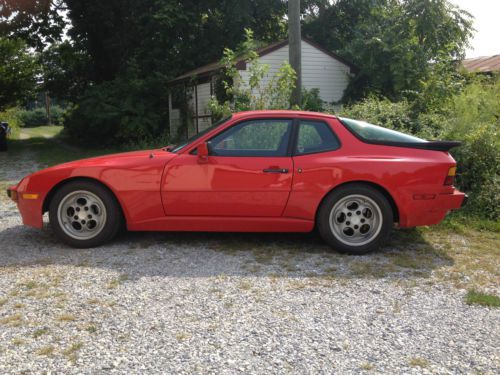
(258, 90)
(471, 116)
(38, 116)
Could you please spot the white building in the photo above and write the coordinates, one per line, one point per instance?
(321, 69)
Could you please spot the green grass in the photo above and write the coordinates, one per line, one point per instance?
(477, 298)
(48, 131)
(50, 148)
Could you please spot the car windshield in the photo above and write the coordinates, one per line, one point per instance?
(370, 132)
(180, 146)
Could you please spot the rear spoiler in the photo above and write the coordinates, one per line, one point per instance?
(434, 145)
(430, 145)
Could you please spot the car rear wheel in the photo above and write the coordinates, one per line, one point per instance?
(85, 214)
(355, 219)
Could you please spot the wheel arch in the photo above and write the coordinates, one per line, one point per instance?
(60, 184)
(381, 189)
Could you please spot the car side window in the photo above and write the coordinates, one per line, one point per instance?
(253, 138)
(315, 136)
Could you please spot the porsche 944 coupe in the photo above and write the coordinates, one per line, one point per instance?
(259, 171)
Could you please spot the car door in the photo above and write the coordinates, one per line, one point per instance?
(248, 173)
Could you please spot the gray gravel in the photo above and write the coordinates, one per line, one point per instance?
(226, 303)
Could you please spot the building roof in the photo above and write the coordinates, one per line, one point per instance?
(206, 70)
(483, 64)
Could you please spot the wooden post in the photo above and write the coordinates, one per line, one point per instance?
(48, 108)
(294, 48)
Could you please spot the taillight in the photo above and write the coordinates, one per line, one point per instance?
(450, 179)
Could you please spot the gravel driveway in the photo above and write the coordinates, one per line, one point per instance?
(229, 303)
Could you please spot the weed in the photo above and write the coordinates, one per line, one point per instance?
(477, 298)
(40, 332)
(66, 318)
(418, 362)
(46, 350)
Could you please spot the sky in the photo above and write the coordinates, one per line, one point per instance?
(486, 39)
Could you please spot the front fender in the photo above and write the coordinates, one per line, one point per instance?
(135, 181)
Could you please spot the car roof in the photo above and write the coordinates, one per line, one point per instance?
(263, 113)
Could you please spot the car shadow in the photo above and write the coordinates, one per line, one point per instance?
(407, 255)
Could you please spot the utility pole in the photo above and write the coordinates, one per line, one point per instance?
(294, 47)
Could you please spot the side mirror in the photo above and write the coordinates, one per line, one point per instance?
(202, 152)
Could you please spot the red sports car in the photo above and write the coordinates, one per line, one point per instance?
(261, 171)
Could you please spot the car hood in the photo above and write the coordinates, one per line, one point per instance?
(119, 159)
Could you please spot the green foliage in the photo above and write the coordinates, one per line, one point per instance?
(311, 100)
(18, 70)
(37, 22)
(38, 116)
(404, 49)
(65, 71)
(393, 115)
(122, 111)
(475, 119)
(12, 118)
(474, 297)
(471, 116)
(253, 93)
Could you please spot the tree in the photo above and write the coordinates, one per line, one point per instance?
(256, 93)
(38, 22)
(65, 71)
(18, 72)
(396, 44)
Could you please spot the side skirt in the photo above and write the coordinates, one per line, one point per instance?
(222, 224)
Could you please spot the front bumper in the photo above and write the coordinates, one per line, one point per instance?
(29, 206)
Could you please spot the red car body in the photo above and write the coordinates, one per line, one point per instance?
(164, 191)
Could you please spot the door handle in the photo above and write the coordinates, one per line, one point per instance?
(275, 170)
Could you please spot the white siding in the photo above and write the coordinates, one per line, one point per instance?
(319, 70)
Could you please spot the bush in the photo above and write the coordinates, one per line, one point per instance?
(11, 116)
(119, 112)
(471, 116)
(393, 115)
(256, 93)
(311, 101)
(38, 117)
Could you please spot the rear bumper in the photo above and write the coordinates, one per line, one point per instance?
(432, 211)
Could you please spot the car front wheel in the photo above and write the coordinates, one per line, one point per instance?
(355, 219)
(84, 214)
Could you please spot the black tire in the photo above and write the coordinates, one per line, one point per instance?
(338, 240)
(108, 229)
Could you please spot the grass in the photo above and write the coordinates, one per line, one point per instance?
(182, 336)
(71, 351)
(18, 341)
(40, 332)
(49, 148)
(91, 329)
(48, 131)
(46, 351)
(366, 366)
(477, 298)
(15, 320)
(66, 318)
(418, 362)
(118, 281)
